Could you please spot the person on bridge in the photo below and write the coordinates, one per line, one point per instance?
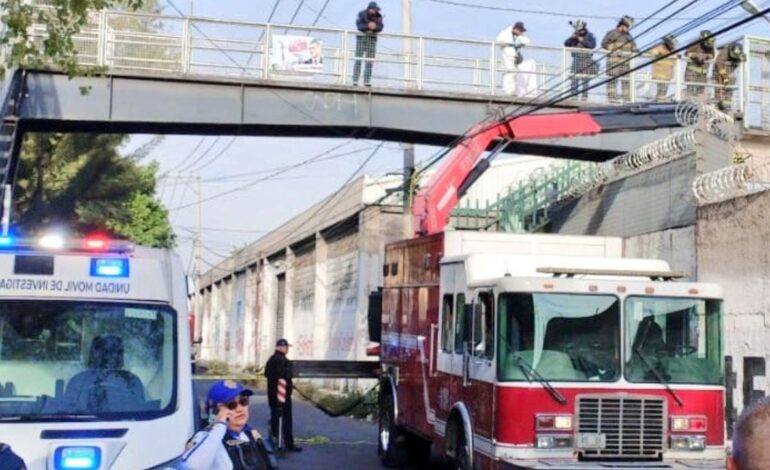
(369, 23)
(729, 58)
(279, 372)
(620, 46)
(750, 437)
(228, 442)
(663, 70)
(512, 39)
(583, 67)
(699, 57)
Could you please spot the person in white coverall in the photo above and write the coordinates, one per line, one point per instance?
(512, 39)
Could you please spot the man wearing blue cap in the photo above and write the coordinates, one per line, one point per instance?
(229, 442)
(279, 372)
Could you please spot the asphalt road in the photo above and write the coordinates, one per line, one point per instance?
(343, 443)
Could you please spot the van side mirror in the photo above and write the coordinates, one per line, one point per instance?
(375, 315)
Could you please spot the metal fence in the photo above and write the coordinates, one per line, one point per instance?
(191, 46)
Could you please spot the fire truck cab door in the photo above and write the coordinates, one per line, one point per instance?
(482, 344)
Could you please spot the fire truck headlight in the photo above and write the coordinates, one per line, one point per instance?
(553, 423)
(545, 442)
(688, 443)
(689, 423)
(554, 442)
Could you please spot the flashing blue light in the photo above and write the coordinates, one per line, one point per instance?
(6, 241)
(82, 458)
(109, 267)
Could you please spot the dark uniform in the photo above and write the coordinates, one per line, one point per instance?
(366, 41)
(280, 367)
(726, 64)
(699, 57)
(620, 47)
(583, 65)
(9, 460)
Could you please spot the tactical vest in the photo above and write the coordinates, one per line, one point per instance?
(248, 455)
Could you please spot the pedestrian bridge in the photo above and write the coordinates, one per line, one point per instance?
(190, 75)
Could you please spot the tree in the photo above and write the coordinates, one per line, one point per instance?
(62, 21)
(82, 183)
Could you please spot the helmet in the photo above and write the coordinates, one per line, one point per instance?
(735, 52)
(579, 25)
(626, 20)
(707, 37)
(670, 41)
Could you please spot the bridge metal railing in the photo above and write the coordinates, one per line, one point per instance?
(206, 47)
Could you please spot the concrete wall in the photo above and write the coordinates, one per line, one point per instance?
(733, 252)
(677, 246)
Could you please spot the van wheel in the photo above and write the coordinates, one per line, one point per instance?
(462, 459)
(391, 440)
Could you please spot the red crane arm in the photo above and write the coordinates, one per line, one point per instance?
(434, 202)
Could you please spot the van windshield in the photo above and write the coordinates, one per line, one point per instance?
(564, 337)
(62, 360)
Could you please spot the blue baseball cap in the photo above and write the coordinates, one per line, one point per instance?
(225, 391)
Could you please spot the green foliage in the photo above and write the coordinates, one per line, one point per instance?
(58, 23)
(82, 183)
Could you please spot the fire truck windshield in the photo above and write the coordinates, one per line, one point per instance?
(681, 339)
(64, 360)
(564, 337)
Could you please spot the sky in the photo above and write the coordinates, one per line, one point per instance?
(253, 207)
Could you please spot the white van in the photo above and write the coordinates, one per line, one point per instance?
(94, 354)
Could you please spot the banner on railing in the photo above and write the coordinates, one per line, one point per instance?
(296, 55)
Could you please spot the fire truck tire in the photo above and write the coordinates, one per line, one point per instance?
(391, 442)
(462, 460)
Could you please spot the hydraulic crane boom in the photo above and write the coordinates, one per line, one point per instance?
(434, 202)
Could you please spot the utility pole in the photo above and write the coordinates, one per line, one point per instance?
(197, 253)
(408, 148)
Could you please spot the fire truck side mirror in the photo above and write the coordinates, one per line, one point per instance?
(375, 315)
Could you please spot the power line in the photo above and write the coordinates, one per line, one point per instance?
(476, 6)
(184, 160)
(250, 184)
(296, 12)
(200, 157)
(216, 157)
(320, 12)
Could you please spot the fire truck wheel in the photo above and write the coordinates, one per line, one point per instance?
(462, 456)
(391, 441)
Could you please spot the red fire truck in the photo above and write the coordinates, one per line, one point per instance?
(506, 351)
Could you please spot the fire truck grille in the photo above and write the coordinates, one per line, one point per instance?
(620, 426)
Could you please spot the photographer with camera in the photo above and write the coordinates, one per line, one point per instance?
(228, 442)
(583, 66)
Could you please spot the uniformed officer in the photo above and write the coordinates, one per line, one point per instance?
(620, 46)
(582, 41)
(228, 442)
(9, 460)
(279, 372)
(663, 70)
(699, 57)
(729, 58)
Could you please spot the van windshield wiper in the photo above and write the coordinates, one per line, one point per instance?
(528, 370)
(658, 375)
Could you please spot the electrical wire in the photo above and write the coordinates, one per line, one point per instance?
(250, 184)
(200, 157)
(551, 13)
(184, 160)
(215, 157)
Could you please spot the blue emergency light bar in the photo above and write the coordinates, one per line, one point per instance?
(56, 242)
(82, 458)
(109, 267)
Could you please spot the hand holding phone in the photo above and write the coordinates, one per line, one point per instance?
(223, 414)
